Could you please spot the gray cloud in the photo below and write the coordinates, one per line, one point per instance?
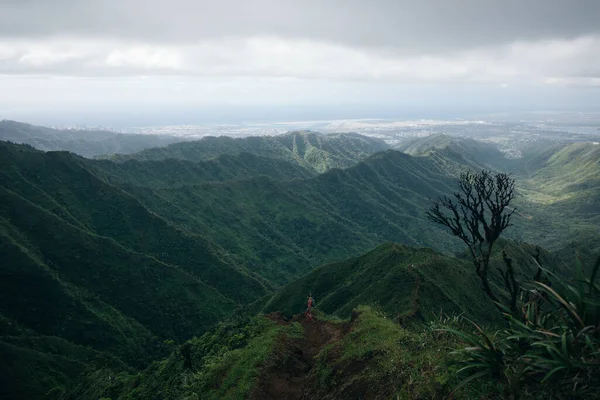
(94, 54)
(575, 61)
(425, 25)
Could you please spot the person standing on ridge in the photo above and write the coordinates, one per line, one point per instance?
(311, 304)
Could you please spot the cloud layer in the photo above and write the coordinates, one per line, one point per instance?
(575, 61)
(313, 49)
(413, 26)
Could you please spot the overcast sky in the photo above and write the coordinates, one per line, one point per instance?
(120, 56)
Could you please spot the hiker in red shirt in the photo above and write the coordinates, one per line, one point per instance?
(311, 304)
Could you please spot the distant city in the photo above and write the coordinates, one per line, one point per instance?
(508, 131)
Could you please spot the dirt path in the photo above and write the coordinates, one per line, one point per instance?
(286, 377)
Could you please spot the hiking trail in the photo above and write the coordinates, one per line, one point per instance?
(287, 377)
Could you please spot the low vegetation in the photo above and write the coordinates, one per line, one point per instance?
(224, 363)
(114, 274)
(550, 349)
(311, 150)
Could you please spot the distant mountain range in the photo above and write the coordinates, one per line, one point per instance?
(473, 153)
(105, 263)
(308, 149)
(87, 143)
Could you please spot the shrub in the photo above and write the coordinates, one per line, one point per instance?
(550, 349)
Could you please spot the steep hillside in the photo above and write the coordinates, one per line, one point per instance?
(308, 149)
(35, 366)
(563, 195)
(366, 354)
(272, 357)
(404, 282)
(572, 171)
(456, 153)
(173, 172)
(62, 185)
(557, 183)
(83, 142)
(283, 229)
(86, 263)
(119, 257)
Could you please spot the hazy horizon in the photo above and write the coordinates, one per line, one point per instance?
(196, 62)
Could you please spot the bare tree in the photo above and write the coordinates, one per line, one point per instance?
(478, 213)
(510, 282)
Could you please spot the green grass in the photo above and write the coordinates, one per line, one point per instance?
(122, 256)
(403, 281)
(376, 353)
(380, 359)
(234, 375)
(222, 364)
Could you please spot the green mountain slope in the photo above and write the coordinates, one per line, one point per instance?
(562, 196)
(37, 366)
(573, 171)
(282, 229)
(137, 285)
(362, 355)
(84, 261)
(457, 153)
(269, 357)
(62, 184)
(308, 149)
(405, 282)
(173, 172)
(83, 142)
(118, 257)
(557, 183)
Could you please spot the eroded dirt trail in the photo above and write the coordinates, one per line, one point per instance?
(285, 377)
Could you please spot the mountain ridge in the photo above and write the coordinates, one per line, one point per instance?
(87, 143)
(308, 149)
(130, 258)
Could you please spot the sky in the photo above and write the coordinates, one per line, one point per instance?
(133, 62)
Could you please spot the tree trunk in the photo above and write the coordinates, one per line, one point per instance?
(486, 286)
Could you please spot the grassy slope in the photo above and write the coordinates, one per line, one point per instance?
(573, 171)
(222, 364)
(282, 229)
(311, 150)
(173, 172)
(558, 184)
(93, 292)
(379, 359)
(561, 196)
(85, 262)
(47, 363)
(458, 152)
(367, 357)
(135, 284)
(59, 183)
(272, 225)
(35, 296)
(403, 281)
